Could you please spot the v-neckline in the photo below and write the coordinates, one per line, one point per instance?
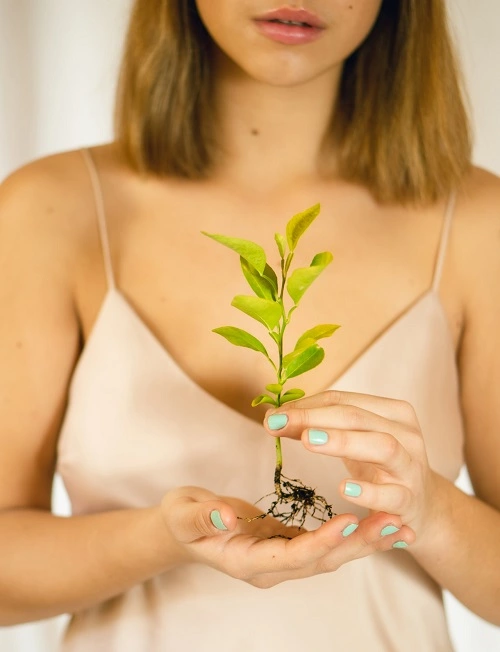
(114, 292)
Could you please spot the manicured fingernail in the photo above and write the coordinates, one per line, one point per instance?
(352, 489)
(317, 437)
(277, 421)
(216, 519)
(400, 544)
(389, 529)
(349, 529)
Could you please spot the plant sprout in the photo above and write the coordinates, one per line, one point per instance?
(293, 501)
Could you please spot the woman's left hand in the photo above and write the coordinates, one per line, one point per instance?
(380, 442)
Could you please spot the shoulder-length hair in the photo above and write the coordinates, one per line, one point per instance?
(399, 127)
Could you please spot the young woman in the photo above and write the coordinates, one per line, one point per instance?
(233, 116)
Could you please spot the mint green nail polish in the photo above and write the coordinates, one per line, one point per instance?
(317, 437)
(400, 544)
(277, 421)
(216, 519)
(349, 529)
(352, 489)
(389, 529)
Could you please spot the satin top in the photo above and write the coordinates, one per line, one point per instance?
(130, 434)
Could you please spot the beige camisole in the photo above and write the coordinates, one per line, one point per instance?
(130, 434)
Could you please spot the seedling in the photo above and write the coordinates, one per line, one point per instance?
(292, 500)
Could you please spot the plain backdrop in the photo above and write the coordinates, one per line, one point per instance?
(58, 68)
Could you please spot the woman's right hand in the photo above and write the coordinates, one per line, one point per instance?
(206, 529)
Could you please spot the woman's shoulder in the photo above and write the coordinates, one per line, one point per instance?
(476, 236)
(479, 197)
(48, 222)
(57, 182)
(50, 199)
(478, 206)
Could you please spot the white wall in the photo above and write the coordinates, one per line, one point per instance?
(58, 62)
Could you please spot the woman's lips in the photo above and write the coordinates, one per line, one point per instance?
(276, 26)
(288, 34)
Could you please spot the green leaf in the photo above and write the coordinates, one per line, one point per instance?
(292, 395)
(315, 334)
(270, 275)
(263, 398)
(288, 262)
(301, 278)
(323, 259)
(248, 250)
(299, 224)
(267, 312)
(290, 313)
(260, 285)
(239, 337)
(298, 362)
(274, 388)
(281, 242)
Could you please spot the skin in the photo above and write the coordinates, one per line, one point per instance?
(47, 224)
(242, 50)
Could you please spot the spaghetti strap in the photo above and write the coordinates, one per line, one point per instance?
(101, 217)
(443, 244)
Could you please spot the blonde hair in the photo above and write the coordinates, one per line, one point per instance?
(400, 126)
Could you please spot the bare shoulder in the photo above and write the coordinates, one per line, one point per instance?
(47, 207)
(480, 185)
(48, 194)
(477, 229)
(44, 176)
(479, 199)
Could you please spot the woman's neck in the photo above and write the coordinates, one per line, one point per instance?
(272, 136)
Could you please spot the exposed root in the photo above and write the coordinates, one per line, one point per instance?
(294, 502)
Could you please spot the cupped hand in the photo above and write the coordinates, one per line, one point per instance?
(208, 529)
(380, 442)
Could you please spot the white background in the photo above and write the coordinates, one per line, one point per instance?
(58, 68)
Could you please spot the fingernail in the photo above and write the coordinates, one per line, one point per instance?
(352, 489)
(389, 529)
(349, 529)
(277, 421)
(317, 437)
(216, 519)
(400, 544)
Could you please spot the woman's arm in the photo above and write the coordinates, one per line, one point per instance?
(461, 549)
(50, 565)
(464, 552)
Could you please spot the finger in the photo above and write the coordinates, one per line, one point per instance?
(378, 448)
(291, 422)
(378, 532)
(189, 519)
(390, 408)
(392, 498)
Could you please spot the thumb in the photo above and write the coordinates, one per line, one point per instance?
(190, 520)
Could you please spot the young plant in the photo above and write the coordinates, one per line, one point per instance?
(293, 501)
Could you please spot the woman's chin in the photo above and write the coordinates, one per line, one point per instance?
(284, 74)
(285, 69)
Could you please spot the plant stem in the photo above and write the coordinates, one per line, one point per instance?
(279, 452)
(284, 273)
(279, 467)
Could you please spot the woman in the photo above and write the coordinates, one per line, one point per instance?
(232, 116)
